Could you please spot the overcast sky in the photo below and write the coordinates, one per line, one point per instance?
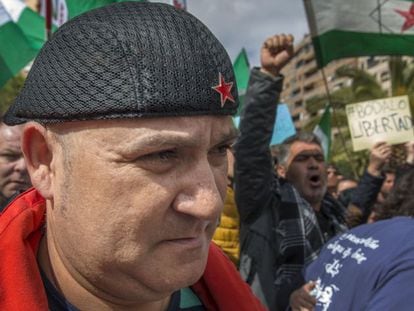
(247, 23)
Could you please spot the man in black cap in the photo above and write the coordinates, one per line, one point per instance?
(128, 112)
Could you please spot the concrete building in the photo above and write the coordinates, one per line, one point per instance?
(303, 79)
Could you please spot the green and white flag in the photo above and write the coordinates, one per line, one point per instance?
(64, 10)
(323, 131)
(348, 28)
(22, 35)
(241, 69)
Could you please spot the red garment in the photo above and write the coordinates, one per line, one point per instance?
(21, 287)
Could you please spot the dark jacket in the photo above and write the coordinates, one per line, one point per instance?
(364, 196)
(279, 229)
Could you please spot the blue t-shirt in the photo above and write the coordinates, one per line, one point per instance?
(370, 267)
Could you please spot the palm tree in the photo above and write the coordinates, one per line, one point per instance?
(363, 87)
(402, 78)
(9, 92)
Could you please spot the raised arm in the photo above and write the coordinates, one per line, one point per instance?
(365, 195)
(254, 176)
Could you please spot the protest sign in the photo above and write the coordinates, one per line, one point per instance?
(283, 127)
(386, 119)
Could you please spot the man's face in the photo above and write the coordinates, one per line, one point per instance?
(137, 201)
(13, 172)
(332, 177)
(306, 171)
(387, 184)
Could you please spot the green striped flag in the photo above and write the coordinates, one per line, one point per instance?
(64, 10)
(348, 28)
(22, 35)
(242, 72)
(323, 131)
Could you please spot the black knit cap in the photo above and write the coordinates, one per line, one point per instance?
(127, 60)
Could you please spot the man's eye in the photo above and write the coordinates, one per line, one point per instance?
(160, 155)
(10, 157)
(166, 155)
(321, 158)
(301, 158)
(222, 149)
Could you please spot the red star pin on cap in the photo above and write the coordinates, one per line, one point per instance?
(224, 89)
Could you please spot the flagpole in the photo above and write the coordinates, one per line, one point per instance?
(328, 93)
(48, 19)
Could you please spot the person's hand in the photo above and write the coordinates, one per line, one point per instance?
(380, 155)
(301, 299)
(276, 53)
(409, 151)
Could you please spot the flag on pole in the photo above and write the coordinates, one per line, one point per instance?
(64, 10)
(180, 4)
(241, 69)
(360, 28)
(323, 132)
(283, 127)
(22, 35)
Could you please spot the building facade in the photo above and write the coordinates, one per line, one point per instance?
(304, 80)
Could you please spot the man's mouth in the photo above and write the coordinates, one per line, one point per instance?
(21, 183)
(186, 242)
(315, 180)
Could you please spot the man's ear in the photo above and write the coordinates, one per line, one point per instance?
(281, 171)
(38, 156)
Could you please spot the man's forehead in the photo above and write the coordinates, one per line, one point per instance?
(300, 147)
(152, 131)
(10, 133)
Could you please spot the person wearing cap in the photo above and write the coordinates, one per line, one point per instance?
(128, 122)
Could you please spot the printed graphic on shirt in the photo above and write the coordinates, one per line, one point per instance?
(349, 250)
(323, 294)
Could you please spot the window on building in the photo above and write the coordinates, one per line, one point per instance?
(298, 104)
(311, 72)
(295, 92)
(338, 86)
(300, 63)
(371, 62)
(309, 60)
(309, 87)
(385, 76)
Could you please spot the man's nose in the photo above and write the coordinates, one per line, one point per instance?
(200, 195)
(20, 164)
(313, 162)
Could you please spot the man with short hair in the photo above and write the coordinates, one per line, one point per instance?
(387, 184)
(333, 178)
(285, 219)
(13, 173)
(128, 122)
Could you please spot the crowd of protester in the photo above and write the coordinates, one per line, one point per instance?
(301, 235)
(291, 203)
